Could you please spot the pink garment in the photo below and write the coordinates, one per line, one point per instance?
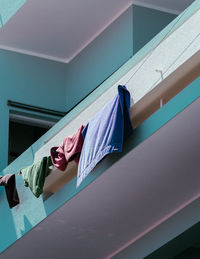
(68, 151)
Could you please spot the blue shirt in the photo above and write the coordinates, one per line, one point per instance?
(105, 133)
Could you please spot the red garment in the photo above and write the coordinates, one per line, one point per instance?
(68, 151)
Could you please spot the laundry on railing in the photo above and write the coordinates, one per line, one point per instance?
(9, 182)
(68, 151)
(105, 133)
(34, 175)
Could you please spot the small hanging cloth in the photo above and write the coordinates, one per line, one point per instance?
(34, 175)
(105, 133)
(11, 191)
(68, 151)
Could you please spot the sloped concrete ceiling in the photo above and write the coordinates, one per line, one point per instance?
(142, 190)
(60, 29)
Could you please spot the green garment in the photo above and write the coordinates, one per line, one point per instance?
(34, 175)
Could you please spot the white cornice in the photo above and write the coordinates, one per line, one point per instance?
(32, 53)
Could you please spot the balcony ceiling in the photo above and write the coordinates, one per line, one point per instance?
(59, 30)
(142, 190)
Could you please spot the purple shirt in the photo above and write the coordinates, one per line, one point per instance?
(105, 133)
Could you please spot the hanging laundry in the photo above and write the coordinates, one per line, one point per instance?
(68, 151)
(105, 133)
(11, 191)
(34, 175)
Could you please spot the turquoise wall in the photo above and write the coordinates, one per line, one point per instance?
(8, 8)
(31, 81)
(147, 23)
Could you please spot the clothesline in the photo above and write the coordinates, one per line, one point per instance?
(34, 175)
(142, 64)
(104, 134)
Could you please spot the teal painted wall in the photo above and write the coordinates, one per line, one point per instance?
(31, 81)
(147, 23)
(183, 246)
(8, 8)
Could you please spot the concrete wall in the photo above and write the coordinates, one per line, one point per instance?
(146, 24)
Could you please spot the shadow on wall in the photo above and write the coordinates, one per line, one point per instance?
(13, 222)
(1, 21)
(7, 226)
(27, 226)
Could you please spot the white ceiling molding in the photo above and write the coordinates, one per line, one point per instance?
(32, 53)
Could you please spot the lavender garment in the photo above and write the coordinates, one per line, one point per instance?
(105, 133)
(11, 191)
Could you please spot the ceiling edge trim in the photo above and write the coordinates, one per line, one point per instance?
(65, 60)
(158, 8)
(32, 53)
